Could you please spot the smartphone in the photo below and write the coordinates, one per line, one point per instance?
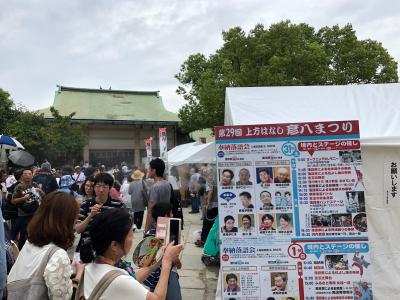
(162, 227)
(174, 231)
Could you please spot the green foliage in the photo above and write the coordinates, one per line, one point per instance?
(65, 141)
(58, 140)
(30, 129)
(283, 55)
(7, 109)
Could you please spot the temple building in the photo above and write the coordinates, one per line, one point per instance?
(117, 122)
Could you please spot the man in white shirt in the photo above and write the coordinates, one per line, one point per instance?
(10, 179)
(78, 176)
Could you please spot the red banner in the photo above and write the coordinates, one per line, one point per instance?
(287, 130)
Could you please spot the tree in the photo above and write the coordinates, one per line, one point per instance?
(30, 129)
(65, 141)
(7, 109)
(284, 55)
(56, 140)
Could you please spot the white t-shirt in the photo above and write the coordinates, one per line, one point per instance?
(126, 198)
(123, 287)
(3, 190)
(56, 274)
(79, 177)
(174, 182)
(10, 180)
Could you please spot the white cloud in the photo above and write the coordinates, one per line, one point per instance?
(140, 45)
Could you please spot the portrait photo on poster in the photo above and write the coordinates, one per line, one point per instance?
(246, 224)
(285, 221)
(244, 176)
(266, 201)
(232, 282)
(227, 177)
(281, 174)
(267, 222)
(246, 200)
(264, 176)
(229, 225)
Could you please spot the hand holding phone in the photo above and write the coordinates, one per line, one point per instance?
(171, 253)
(174, 231)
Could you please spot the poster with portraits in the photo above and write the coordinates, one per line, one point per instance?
(293, 223)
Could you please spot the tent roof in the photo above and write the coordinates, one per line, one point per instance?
(376, 106)
(192, 153)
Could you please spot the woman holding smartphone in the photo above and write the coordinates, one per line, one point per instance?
(111, 238)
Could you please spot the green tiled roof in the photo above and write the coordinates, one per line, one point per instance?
(110, 105)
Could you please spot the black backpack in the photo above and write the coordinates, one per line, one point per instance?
(75, 186)
(47, 181)
(176, 205)
(9, 210)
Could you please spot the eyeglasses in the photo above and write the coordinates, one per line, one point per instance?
(102, 186)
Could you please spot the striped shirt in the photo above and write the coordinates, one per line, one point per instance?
(85, 211)
(154, 277)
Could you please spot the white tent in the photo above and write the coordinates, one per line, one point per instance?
(192, 153)
(377, 107)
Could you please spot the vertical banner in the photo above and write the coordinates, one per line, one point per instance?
(149, 152)
(292, 212)
(391, 182)
(163, 143)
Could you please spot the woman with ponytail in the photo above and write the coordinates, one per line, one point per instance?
(111, 238)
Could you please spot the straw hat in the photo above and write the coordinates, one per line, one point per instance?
(137, 175)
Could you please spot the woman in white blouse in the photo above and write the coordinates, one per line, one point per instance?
(111, 238)
(50, 230)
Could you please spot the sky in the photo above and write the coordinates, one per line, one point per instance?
(141, 44)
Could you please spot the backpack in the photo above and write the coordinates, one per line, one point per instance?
(145, 195)
(176, 205)
(202, 186)
(9, 210)
(75, 186)
(100, 287)
(47, 182)
(33, 288)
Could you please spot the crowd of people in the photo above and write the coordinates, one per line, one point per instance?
(46, 209)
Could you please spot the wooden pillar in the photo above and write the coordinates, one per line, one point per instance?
(86, 153)
(137, 158)
(136, 137)
(86, 147)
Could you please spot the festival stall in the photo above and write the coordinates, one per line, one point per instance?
(191, 153)
(182, 157)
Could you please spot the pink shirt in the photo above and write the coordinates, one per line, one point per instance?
(114, 194)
